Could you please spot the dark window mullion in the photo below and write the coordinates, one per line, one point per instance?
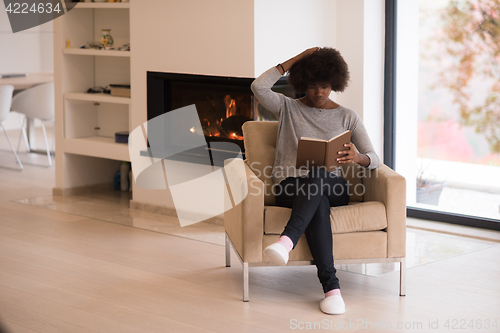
(390, 83)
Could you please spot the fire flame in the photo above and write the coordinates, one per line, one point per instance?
(213, 128)
(235, 136)
(230, 106)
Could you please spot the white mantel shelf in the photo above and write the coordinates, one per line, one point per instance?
(110, 5)
(102, 98)
(97, 146)
(94, 52)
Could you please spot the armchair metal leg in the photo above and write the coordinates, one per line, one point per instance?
(245, 282)
(228, 252)
(402, 277)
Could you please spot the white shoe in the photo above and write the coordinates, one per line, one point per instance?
(277, 253)
(333, 305)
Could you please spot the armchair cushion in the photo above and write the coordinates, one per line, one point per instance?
(353, 245)
(357, 216)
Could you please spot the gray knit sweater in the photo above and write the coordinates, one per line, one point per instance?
(297, 120)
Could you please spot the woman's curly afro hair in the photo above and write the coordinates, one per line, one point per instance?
(325, 65)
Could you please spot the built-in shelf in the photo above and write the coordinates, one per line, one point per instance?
(97, 146)
(86, 123)
(109, 5)
(94, 52)
(102, 98)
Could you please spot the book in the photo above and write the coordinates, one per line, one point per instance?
(316, 152)
(5, 76)
(121, 90)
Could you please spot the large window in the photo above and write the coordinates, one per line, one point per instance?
(447, 114)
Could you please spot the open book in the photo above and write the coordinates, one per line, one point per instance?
(316, 152)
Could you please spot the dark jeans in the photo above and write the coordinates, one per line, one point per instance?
(310, 198)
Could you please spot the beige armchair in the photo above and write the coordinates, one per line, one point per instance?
(371, 229)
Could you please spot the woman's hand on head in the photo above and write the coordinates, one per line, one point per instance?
(309, 51)
(285, 66)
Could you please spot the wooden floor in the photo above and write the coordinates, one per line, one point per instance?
(63, 273)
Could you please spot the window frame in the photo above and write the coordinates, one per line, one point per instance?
(390, 114)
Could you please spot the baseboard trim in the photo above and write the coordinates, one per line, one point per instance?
(77, 190)
(157, 209)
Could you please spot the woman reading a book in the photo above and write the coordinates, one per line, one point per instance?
(311, 192)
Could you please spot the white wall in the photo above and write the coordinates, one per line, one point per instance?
(373, 72)
(360, 39)
(284, 28)
(350, 24)
(25, 51)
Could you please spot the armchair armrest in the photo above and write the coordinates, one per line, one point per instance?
(244, 222)
(387, 186)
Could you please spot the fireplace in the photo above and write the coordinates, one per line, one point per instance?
(223, 105)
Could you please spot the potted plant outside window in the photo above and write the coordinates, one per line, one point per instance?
(428, 190)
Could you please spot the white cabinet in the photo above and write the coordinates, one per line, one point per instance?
(86, 152)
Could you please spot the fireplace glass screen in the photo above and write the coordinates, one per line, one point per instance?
(223, 104)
